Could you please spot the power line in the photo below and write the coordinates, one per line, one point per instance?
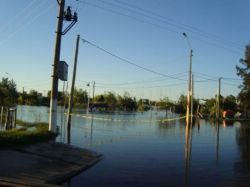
(129, 62)
(221, 43)
(22, 13)
(132, 17)
(216, 77)
(142, 87)
(178, 24)
(229, 84)
(231, 79)
(11, 34)
(135, 82)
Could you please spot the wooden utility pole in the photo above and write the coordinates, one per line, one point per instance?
(189, 89)
(93, 95)
(54, 89)
(218, 101)
(73, 83)
(23, 97)
(192, 97)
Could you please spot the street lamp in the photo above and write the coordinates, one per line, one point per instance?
(93, 99)
(189, 96)
(88, 98)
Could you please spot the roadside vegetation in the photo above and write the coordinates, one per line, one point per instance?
(25, 134)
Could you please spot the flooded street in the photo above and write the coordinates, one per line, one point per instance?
(140, 150)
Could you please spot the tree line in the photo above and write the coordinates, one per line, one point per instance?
(110, 101)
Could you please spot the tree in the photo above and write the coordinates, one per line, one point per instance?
(8, 92)
(244, 72)
(210, 107)
(180, 107)
(99, 98)
(80, 97)
(126, 102)
(143, 105)
(165, 104)
(111, 100)
(34, 98)
(230, 103)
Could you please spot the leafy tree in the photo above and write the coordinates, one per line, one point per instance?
(33, 98)
(99, 98)
(111, 100)
(210, 107)
(8, 92)
(165, 103)
(143, 105)
(244, 72)
(180, 106)
(80, 97)
(230, 103)
(126, 102)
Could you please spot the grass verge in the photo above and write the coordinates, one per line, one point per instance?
(19, 137)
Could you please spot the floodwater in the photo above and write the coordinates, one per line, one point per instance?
(139, 150)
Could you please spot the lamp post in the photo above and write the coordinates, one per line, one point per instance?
(88, 99)
(93, 99)
(189, 96)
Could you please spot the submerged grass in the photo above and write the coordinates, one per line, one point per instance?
(22, 136)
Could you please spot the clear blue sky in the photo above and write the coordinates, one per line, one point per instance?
(145, 32)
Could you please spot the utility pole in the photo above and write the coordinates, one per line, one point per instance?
(87, 112)
(93, 100)
(189, 89)
(218, 101)
(67, 16)
(189, 81)
(54, 89)
(192, 97)
(23, 97)
(73, 83)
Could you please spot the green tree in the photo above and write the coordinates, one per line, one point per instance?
(99, 98)
(230, 103)
(143, 105)
(126, 102)
(8, 92)
(165, 104)
(80, 97)
(33, 98)
(244, 72)
(210, 107)
(180, 106)
(111, 100)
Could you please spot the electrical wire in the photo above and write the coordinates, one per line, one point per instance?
(34, 18)
(221, 43)
(136, 82)
(132, 17)
(22, 13)
(178, 23)
(129, 62)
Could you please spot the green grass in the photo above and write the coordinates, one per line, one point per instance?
(22, 136)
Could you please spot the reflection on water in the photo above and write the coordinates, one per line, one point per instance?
(187, 151)
(243, 141)
(140, 150)
(217, 141)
